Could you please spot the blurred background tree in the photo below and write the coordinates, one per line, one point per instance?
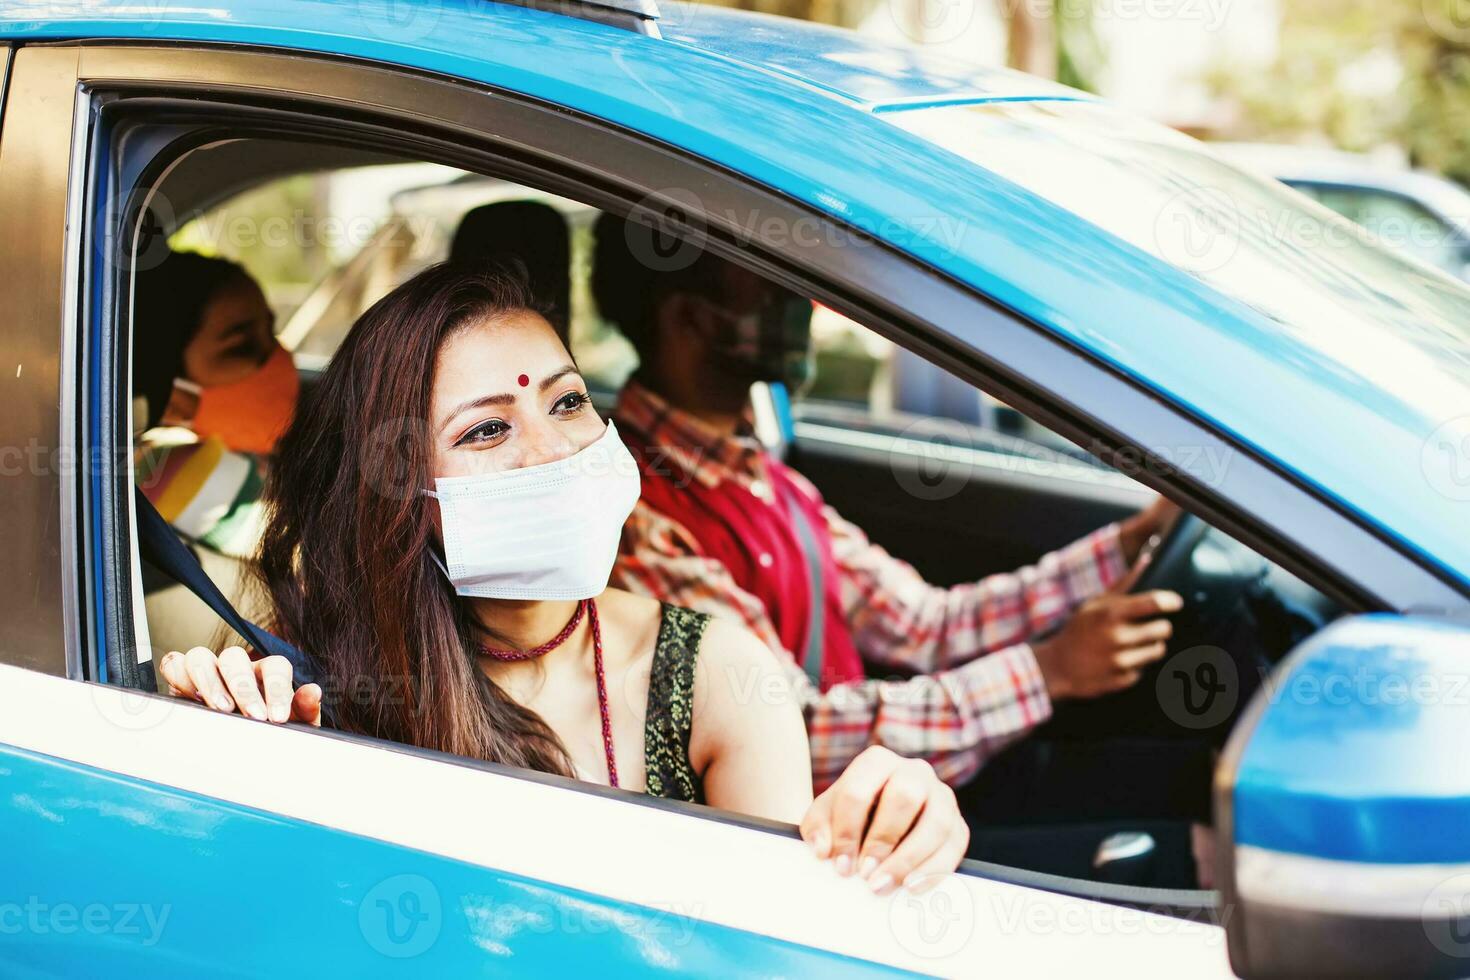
(1436, 89)
(1362, 75)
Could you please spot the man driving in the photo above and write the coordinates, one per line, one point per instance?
(724, 527)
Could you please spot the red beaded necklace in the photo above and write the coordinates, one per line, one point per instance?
(589, 607)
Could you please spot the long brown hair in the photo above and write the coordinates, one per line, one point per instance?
(346, 557)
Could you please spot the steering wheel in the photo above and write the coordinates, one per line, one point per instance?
(1148, 752)
(1210, 644)
(1171, 556)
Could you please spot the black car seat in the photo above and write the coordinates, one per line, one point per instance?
(531, 233)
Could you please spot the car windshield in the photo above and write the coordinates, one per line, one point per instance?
(1383, 318)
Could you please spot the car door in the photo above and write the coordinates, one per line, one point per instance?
(161, 838)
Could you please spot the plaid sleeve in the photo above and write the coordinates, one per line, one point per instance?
(899, 620)
(659, 557)
(955, 719)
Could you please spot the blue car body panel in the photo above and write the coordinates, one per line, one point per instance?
(797, 123)
(1337, 767)
(871, 73)
(111, 876)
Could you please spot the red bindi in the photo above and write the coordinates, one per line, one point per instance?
(523, 380)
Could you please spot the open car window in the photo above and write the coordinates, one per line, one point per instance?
(938, 533)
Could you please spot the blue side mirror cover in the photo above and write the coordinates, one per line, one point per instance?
(1343, 807)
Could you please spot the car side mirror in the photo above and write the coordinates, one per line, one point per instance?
(1342, 805)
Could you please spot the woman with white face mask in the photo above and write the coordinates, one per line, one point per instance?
(445, 513)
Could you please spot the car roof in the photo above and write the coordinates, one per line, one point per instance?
(809, 112)
(854, 67)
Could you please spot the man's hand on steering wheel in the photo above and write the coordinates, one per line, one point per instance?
(1112, 637)
(1149, 524)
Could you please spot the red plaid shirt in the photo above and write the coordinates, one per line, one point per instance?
(978, 687)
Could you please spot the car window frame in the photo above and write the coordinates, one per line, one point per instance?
(548, 147)
(45, 607)
(1196, 906)
(1020, 362)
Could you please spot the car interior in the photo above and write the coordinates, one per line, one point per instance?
(940, 474)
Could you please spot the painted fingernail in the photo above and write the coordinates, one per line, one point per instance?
(222, 703)
(866, 868)
(844, 865)
(255, 711)
(882, 885)
(279, 712)
(822, 844)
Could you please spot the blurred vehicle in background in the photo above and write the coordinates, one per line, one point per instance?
(1413, 212)
(1417, 213)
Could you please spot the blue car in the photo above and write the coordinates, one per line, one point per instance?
(1196, 329)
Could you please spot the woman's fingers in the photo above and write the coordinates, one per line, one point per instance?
(209, 685)
(937, 824)
(176, 675)
(835, 821)
(306, 705)
(937, 866)
(900, 803)
(274, 675)
(239, 676)
(230, 681)
(853, 796)
(896, 813)
(816, 826)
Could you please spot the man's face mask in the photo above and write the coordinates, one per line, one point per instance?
(250, 414)
(772, 343)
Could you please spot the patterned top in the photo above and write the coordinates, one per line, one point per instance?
(978, 687)
(208, 492)
(671, 707)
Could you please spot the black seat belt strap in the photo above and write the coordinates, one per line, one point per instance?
(160, 546)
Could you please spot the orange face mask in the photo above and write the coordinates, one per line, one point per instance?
(252, 413)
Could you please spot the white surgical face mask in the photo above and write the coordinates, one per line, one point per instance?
(548, 531)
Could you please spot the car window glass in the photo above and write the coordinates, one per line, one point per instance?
(1398, 222)
(326, 245)
(1352, 302)
(864, 381)
(868, 432)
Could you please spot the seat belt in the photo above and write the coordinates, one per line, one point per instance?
(811, 660)
(159, 545)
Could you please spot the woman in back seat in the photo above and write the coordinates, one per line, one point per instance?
(444, 515)
(206, 359)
